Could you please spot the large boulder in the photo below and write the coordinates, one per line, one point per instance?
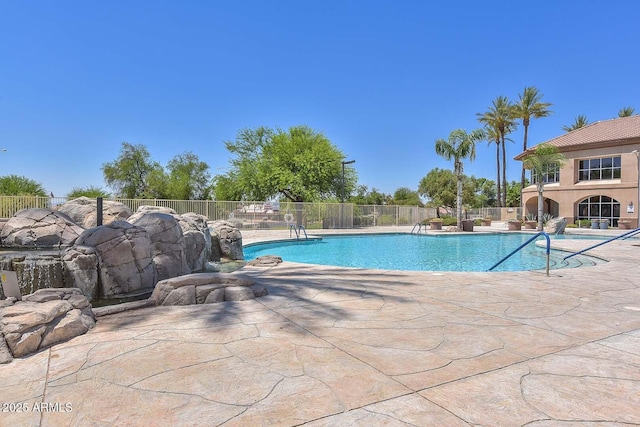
(42, 319)
(556, 225)
(39, 228)
(195, 231)
(206, 288)
(197, 240)
(156, 209)
(84, 211)
(125, 254)
(167, 241)
(226, 241)
(81, 267)
(265, 261)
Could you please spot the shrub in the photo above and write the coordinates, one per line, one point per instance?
(449, 220)
(385, 219)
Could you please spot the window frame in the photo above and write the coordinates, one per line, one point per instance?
(593, 207)
(552, 176)
(599, 168)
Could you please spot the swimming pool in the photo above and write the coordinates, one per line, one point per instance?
(410, 252)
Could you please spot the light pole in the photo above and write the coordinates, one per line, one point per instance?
(638, 182)
(344, 163)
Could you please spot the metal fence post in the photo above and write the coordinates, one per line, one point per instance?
(98, 211)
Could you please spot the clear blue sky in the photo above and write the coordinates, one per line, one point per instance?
(381, 79)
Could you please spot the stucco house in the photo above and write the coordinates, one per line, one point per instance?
(601, 177)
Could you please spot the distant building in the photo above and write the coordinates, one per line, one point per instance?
(600, 179)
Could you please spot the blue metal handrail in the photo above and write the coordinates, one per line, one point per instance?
(622, 236)
(541, 233)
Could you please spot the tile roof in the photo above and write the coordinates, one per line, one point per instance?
(617, 129)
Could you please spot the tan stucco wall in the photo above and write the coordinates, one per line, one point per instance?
(569, 192)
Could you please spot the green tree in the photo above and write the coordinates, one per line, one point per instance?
(543, 158)
(626, 112)
(225, 188)
(128, 174)
(499, 117)
(90, 192)
(242, 182)
(439, 186)
(484, 191)
(14, 185)
(374, 197)
(529, 106)
(514, 193)
(493, 137)
(580, 121)
(156, 184)
(188, 178)
(405, 196)
(299, 164)
(460, 145)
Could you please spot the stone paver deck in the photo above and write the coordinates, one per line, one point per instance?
(334, 347)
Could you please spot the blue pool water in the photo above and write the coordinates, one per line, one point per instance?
(451, 252)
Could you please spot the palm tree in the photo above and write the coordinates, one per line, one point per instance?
(493, 137)
(500, 117)
(460, 145)
(626, 112)
(529, 106)
(579, 122)
(543, 158)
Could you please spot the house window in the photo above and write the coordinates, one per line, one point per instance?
(598, 169)
(600, 207)
(552, 174)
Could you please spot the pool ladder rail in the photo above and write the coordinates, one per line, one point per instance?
(541, 233)
(622, 236)
(299, 230)
(419, 225)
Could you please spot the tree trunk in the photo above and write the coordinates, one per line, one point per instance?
(499, 193)
(459, 203)
(540, 205)
(522, 177)
(504, 172)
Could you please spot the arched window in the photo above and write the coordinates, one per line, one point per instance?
(599, 207)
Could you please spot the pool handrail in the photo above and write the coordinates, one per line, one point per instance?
(301, 228)
(297, 231)
(622, 236)
(538, 234)
(419, 225)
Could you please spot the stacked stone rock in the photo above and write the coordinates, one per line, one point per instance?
(84, 211)
(226, 240)
(119, 259)
(42, 319)
(39, 228)
(206, 288)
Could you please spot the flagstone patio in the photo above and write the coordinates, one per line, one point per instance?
(333, 346)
